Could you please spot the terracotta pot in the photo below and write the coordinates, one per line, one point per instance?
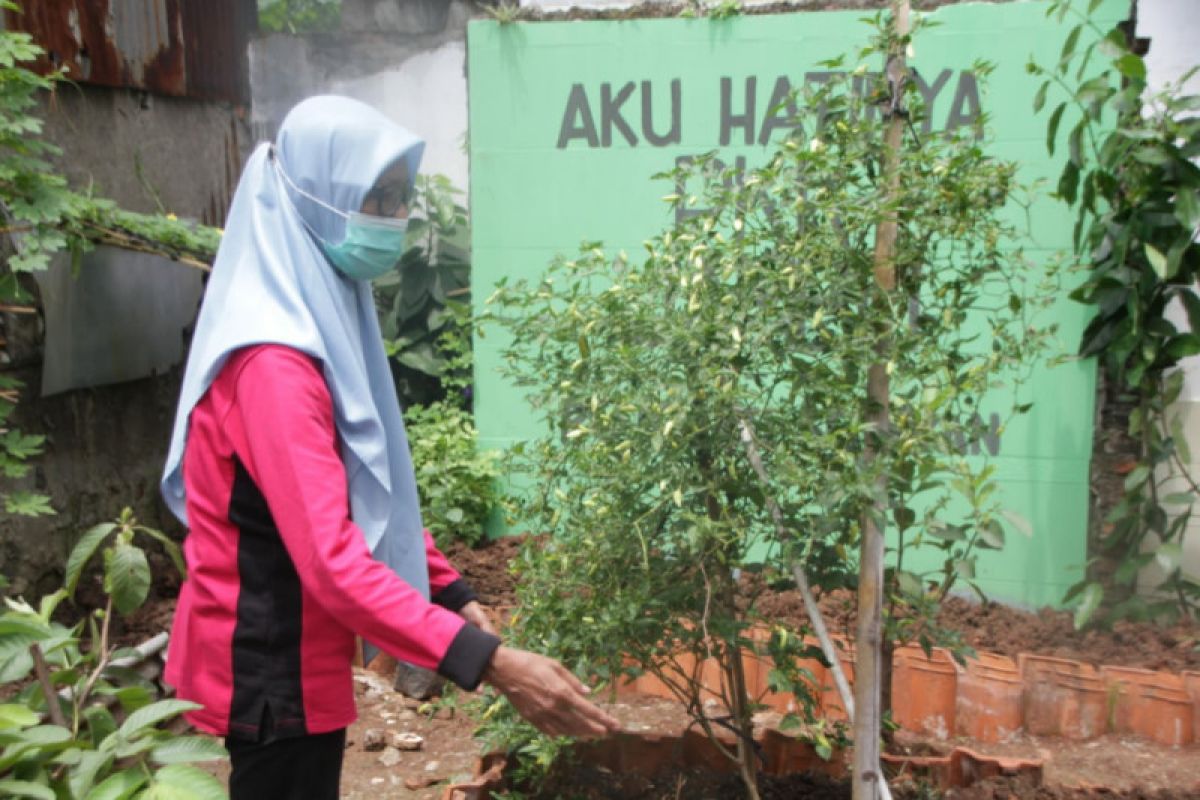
(969, 767)
(988, 703)
(489, 779)
(924, 691)
(1062, 697)
(649, 754)
(1191, 683)
(699, 751)
(785, 755)
(1152, 704)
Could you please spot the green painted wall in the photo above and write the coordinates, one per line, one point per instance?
(568, 121)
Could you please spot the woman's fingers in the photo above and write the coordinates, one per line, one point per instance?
(548, 695)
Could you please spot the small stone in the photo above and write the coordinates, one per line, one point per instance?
(373, 740)
(432, 766)
(390, 757)
(416, 682)
(414, 783)
(407, 714)
(404, 740)
(377, 781)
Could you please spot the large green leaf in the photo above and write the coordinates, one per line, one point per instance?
(48, 738)
(11, 788)
(83, 551)
(153, 714)
(1182, 346)
(186, 749)
(83, 777)
(183, 782)
(13, 715)
(119, 786)
(126, 576)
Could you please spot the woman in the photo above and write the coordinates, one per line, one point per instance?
(290, 466)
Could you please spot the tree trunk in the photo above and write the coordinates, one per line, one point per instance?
(866, 779)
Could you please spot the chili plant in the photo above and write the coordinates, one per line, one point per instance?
(759, 312)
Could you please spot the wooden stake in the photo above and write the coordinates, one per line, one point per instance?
(866, 779)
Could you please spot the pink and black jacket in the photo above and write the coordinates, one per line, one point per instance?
(280, 580)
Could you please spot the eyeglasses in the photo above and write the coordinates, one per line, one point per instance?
(388, 198)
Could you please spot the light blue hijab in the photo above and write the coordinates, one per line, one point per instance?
(272, 284)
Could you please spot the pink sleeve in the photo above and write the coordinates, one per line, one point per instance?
(441, 574)
(290, 450)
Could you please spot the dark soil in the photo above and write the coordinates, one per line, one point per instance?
(1005, 789)
(1009, 631)
(583, 782)
(486, 568)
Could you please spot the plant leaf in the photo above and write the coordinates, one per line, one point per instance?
(1131, 65)
(186, 749)
(184, 782)
(119, 786)
(126, 576)
(11, 788)
(1158, 262)
(152, 714)
(1019, 522)
(1052, 127)
(1169, 556)
(1089, 601)
(14, 715)
(82, 552)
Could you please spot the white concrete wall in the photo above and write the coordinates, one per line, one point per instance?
(405, 57)
(427, 94)
(1173, 27)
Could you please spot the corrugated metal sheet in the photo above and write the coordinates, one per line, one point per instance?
(185, 48)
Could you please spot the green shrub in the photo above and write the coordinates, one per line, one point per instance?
(88, 724)
(457, 483)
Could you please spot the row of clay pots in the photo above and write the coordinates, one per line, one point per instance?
(993, 697)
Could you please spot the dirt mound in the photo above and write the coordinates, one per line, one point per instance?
(1002, 629)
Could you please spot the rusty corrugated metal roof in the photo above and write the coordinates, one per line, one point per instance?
(185, 48)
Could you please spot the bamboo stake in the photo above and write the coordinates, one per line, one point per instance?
(867, 777)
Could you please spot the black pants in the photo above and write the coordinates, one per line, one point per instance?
(298, 768)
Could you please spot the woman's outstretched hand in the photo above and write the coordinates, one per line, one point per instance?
(546, 693)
